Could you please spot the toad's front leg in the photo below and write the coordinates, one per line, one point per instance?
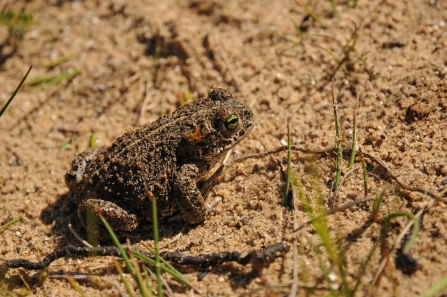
(187, 195)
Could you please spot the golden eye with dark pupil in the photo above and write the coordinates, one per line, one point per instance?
(232, 122)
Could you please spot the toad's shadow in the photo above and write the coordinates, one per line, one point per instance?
(64, 211)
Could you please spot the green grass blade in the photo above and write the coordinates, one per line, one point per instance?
(354, 141)
(59, 61)
(43, 276)
(157, 254)
(364, 266)
(16, 91)
(325, 271)
(319, 223)
(365, 177)
(166, 267)
(298, 30)
(414, 233)
(377, 202)
(336, 59)
(13, 221)
(339, 146)
(117, 243)
(93, 138)
(311, 13)
(288, 39)
(383, 232)
(334, 8)
(52, 80)
(141, 283)
(287, 194)
(436, 288)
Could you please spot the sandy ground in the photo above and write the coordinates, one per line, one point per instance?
(140, 59)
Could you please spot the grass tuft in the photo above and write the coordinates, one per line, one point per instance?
(17, 23)
(158, 262)
(314, 207)
(130, 266)
(185, 98)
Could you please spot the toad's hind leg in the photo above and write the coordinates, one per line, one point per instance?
(119, 219)
(187, 196)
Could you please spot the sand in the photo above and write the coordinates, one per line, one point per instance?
(138, 60)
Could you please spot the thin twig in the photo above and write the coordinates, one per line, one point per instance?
(147, 97)
(337, 209)
(227, 64)
(342, 181)
(400, 182)
(165, 283)
(379, 162)
(264, 255)
(82, 240)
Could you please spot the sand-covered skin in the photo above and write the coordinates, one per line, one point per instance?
(138, 59)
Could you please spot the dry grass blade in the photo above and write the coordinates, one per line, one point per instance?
(76, 286)
(78, 237)
(338, 209)
(165, 283)
(227, 64)
(129, 289)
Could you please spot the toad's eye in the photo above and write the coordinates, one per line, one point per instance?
(232, 122)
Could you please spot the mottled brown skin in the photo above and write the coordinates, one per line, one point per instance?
(162, 161)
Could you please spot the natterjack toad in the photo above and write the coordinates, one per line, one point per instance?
(162, 161)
